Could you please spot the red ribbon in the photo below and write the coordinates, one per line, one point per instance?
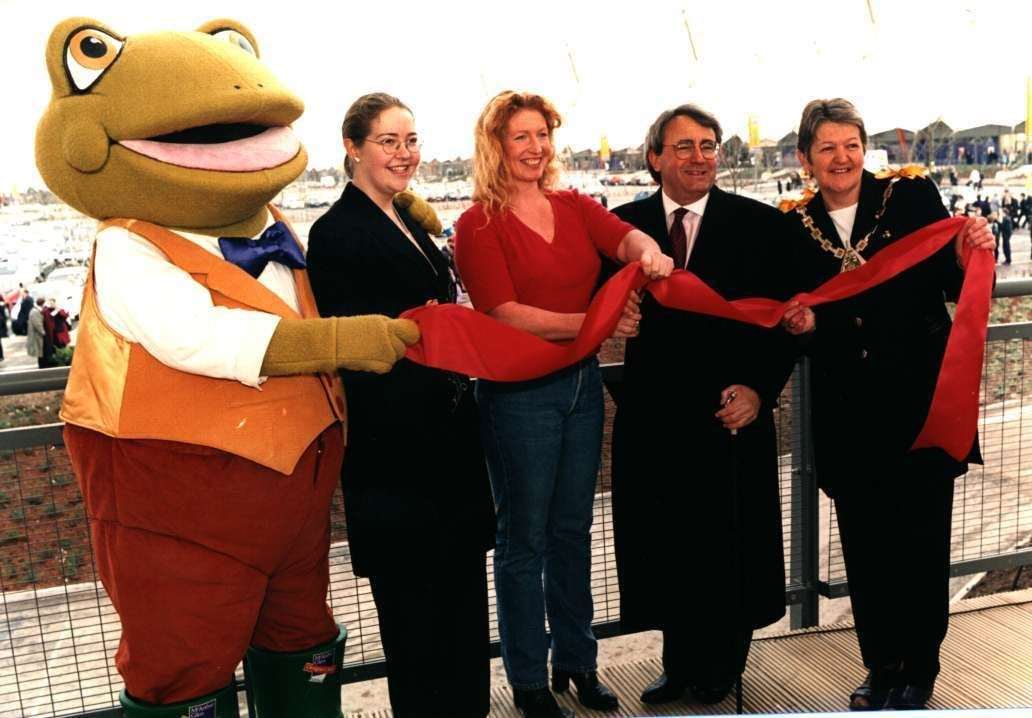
(469, 342)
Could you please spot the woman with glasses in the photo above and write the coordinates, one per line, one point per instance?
(528, 255)
(416, 494)
(875, 361)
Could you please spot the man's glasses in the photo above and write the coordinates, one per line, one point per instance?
(686, 150)
(392, 145)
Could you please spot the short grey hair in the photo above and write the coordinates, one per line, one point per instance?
(654, 138)
(833, 110)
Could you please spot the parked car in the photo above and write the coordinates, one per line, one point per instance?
(1018, 173)
(75, 275)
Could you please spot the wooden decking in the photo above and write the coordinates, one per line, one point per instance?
(986, 663)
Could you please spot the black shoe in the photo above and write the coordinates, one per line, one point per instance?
(710, 694)
(539, 703)
(911, 697)
(664, 690)
(873, 693)
(590, 692)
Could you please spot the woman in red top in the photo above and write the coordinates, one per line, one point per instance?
(528, 256)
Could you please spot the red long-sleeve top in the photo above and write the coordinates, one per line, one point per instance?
(503, 260)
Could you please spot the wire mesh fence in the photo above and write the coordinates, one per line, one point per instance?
(992, 504)
(59, 632)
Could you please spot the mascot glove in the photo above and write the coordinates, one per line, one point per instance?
(366, 343)
(421, 211)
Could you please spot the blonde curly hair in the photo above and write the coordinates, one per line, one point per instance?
(492, 181)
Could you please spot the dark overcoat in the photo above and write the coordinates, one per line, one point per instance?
(674, 514)
(876, 357)
(20, 323)
(414, 479)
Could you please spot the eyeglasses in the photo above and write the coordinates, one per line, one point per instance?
(392, 145)
(686, 150)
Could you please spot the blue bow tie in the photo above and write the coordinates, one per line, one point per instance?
(275, 245)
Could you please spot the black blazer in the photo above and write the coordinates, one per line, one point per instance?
(738, 252)
(876, 356)
(414, 478)
(671, 457)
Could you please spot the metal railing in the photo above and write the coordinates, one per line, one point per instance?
(58, 631)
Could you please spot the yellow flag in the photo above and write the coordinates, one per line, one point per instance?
(1028, 126)
(754, 131)
(603, 150)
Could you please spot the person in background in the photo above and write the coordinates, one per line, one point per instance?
(994, 227)
(59, 325)
(528, 255)
(875, 359)
(19, 324)
(1006, 230)
(48, 331)
(35, 335)
(3, 326)
(416, 493)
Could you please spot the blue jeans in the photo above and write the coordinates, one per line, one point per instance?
(542, 439)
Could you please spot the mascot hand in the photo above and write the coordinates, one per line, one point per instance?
(420, 210)
(367, 343)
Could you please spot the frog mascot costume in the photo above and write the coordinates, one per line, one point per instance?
(203, 415)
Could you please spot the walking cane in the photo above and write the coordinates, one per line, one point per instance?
(735, 531)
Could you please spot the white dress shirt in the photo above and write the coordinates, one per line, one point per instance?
(843, 219)
(691, 224)
(147, 299)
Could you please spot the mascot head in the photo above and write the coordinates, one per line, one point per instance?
(182, 129)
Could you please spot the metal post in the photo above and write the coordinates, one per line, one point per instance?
(803, 557)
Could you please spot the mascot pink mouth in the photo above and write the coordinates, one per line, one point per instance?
(224, 148)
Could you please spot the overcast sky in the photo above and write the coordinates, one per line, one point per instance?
(963, 60)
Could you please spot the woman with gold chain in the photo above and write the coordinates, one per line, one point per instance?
(875, 359)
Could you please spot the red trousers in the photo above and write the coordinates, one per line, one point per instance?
(203, 553)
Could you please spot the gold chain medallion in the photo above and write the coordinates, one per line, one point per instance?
(850, 258)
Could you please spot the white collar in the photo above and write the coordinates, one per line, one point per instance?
(670, 206)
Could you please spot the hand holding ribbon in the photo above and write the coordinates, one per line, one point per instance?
(465, 341)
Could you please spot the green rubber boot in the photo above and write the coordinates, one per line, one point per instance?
(221, 704)
(305, 684)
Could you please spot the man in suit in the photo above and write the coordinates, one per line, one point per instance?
(696, 520)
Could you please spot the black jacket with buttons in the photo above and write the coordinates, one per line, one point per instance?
(414, 479)
(876, 357)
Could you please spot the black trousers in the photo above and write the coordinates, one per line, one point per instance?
(896, 545)
(434, 628)
(708, 654)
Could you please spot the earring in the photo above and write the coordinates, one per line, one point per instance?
(356, 159)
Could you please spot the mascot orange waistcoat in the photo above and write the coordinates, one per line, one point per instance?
(203, 415)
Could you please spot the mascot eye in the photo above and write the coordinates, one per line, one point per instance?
(90, 52)
(235, 38)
